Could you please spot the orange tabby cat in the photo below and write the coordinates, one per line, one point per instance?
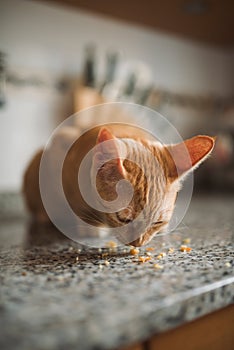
(154, 188)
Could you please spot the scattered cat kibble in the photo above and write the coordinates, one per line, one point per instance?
(150, 249)
(134, 251)
(187, 240)
(161, 255)
(106, 262)
(77, 258)
(171, 250)
(111, 244)
(228, 264)
(158, 267)
(144, 259)
(185, 249)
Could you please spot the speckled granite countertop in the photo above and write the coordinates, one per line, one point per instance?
(49, 299)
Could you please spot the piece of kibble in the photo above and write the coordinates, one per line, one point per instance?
(185, 249)
(228, 264)
(150, 249)
(148, 253)
(144, 259)
(134, 251)
(171, 250)
(161, 255)
(111, 244)
(106, 262)
(158, 267)
(77, 258)
(24, 273)
(187, 240)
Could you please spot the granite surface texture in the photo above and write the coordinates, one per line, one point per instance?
(55, 295)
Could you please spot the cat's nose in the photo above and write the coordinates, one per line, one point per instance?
(137, 242)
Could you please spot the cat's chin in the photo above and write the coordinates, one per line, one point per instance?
(139, 242)
(136, 242)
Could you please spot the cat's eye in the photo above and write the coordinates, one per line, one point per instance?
(157, 223)
(125, 220)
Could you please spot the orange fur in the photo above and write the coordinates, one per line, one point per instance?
(155, 188)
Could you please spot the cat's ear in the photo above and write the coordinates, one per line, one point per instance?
(186, 156)
(108, 149)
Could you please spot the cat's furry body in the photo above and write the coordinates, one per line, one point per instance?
(155, 188)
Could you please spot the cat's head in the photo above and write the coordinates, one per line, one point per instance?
(155, 173)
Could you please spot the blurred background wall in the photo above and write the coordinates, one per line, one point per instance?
(43, 49)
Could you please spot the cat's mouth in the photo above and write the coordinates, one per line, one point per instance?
(136, 233)
(142, 240)
(147, 236)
